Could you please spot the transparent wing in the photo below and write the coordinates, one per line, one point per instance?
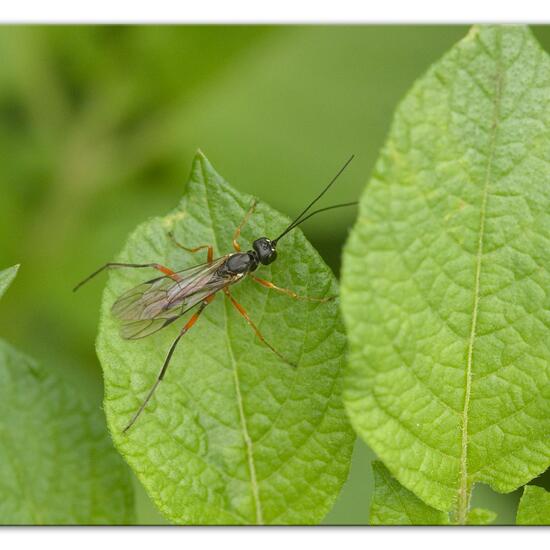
(155, 304)
(132, 330)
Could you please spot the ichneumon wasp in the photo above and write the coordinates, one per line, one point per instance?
(155, 304)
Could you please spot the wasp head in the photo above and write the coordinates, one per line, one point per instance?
(265, 249)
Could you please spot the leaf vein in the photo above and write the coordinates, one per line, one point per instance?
(240, 405)
(463, 490)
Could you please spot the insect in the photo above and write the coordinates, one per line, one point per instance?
(157, 303)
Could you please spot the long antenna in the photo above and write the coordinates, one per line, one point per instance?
(324, 210)
(296, 224)
(297, 221)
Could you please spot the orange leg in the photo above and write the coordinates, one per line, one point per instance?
(209, 254)
(237, 234)
(291, 293)
(167, 271)
(192, 320)
(243, 312)
(163, 269)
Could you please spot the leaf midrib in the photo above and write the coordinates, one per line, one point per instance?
(244, 427)
(464, 488)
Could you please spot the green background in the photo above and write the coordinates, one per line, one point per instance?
(98, 127)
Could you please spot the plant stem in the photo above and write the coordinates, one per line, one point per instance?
(463, 505)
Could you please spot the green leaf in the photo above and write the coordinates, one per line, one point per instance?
(446, 276)
(57, 463)
(232, 434)
(480, 516)
(534, 506)
(6, 277)
(392, 504)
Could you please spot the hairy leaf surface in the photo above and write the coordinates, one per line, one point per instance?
(233, 435)
(57, 463)
(534, 506)
(480, 516)
(392, 504)
(446, 277)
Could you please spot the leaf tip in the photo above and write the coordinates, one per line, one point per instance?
(201, 158)
(201, 164)
(7, 276)
(472, 33)
(13, 269)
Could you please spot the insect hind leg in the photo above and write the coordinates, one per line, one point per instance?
(164, 368)
(163, 269)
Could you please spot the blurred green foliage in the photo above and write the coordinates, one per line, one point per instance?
(98, 127)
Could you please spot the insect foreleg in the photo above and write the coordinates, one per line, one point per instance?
(243, 312)
(161, 268)
(209, 247)
(164, 368)
(289, 292)
(237, 234)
